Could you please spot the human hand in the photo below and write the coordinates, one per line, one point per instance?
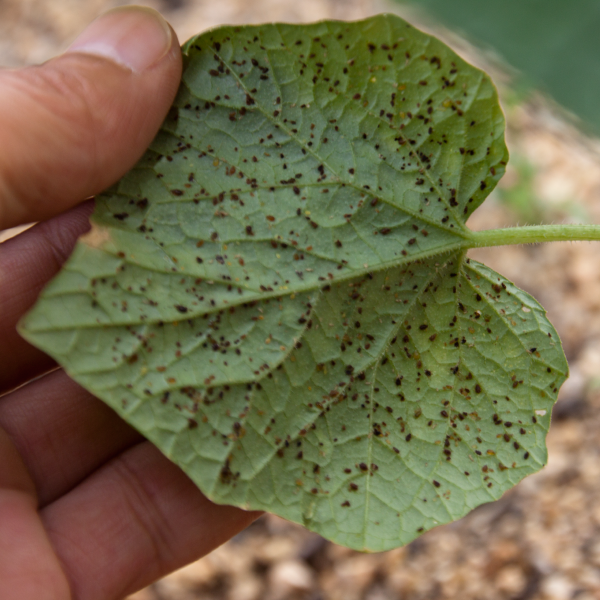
(88, 508)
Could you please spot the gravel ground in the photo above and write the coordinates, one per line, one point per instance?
(542, 539)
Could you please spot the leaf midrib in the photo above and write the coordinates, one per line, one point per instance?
(464, 245)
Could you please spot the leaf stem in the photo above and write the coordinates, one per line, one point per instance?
(534, 234)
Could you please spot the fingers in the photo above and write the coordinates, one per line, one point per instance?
(133, 521)
(27, 262)
(73, 127)
(62, 433)
(24, 540)
(76, 124)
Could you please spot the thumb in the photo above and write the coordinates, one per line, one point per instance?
(73, 126)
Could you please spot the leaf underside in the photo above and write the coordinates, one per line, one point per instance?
(278, 295)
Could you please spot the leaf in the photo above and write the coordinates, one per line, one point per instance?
(278, 295)
(554, 43)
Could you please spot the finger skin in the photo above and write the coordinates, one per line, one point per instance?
(27, 263)
(74, 126)
(135, 520)
(29, 568)
(62, 433)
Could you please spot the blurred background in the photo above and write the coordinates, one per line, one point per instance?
(542, 539)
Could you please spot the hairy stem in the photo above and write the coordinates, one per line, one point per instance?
(534, 234)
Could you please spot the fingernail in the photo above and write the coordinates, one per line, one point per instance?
(136, 37)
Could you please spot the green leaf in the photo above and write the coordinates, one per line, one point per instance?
(278, 294)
